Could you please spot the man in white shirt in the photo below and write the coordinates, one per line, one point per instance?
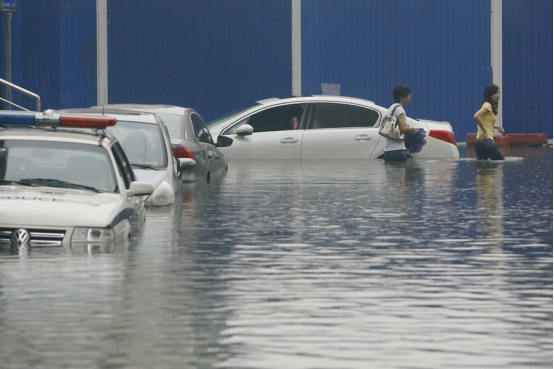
(395, 150)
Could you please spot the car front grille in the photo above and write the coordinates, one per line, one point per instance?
(37, 237)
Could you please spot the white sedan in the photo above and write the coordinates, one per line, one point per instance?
(190, 138)
(319, 127)
(64, 188)
(146, 141)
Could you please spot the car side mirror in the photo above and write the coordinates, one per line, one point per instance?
(138, 188)
(245, 130)
(186, 164)
(224, 141)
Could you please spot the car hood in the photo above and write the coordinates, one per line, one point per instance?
(151, 176)
(56, 207)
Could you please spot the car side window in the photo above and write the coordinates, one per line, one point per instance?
(201, 130)
(278, 118)
(343, 116)
(123, 164)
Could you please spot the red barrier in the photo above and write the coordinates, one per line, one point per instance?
(513, 139)
(523, 139)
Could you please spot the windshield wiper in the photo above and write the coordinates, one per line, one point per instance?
(56, 183)
(145, 166)
(7, 181)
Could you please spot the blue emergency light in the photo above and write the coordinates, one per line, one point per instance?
(52, 119)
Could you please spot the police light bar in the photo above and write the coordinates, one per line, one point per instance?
(51, 119)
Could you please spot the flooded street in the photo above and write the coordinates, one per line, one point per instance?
(331, 264)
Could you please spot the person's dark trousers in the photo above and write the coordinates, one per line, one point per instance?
(396, 155)
(487, 150)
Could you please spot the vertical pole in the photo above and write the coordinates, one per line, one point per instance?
(296, 6)
(496, 50)
(8, 57)
(102, 52)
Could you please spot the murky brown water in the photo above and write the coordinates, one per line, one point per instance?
(435, 264)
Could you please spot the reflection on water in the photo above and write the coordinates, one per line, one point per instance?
(429, 264)
(489, 200)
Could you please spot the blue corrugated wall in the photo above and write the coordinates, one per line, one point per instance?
(53, 52)
(77, 53)
(441, 49)
(217, 56)
(527, 68)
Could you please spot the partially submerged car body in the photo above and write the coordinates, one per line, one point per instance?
(61, 188)
(330, 127)
(190, 138)
(145, 139)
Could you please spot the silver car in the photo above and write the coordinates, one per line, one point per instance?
(319, 127)
(145, 139)
(190, 138)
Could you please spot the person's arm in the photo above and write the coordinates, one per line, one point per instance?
(499, 128)
(402, 124)
(478, 118)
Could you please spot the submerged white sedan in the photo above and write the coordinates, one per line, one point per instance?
(319, 127)
(190, 138)
(65, 188)
(146, 142)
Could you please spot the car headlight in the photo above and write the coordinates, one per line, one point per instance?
(93, 235)
(163, 195)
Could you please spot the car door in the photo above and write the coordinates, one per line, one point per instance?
(341, 131)
(214, 159)
(273, 136)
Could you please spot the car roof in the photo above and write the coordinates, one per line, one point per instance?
(154, 108)
(313, 98)
(41, 134)
(119, 114)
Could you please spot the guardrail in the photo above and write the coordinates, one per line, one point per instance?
(21, 90)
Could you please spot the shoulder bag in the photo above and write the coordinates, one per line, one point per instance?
(389, 127)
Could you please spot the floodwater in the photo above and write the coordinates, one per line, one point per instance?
(429, 264)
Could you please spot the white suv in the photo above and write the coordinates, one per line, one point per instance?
(62, 187)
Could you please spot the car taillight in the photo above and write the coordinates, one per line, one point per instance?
(182, 153)
(445, 136)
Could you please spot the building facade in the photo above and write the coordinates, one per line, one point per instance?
(218, 56)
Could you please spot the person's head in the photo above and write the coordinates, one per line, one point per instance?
(294, 116)
(401, 91)
(491, 94)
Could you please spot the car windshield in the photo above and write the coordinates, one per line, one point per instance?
(215, 122)
(56, 164)
(143, 143)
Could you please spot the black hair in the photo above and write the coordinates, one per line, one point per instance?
(487, 97)
(401, 91)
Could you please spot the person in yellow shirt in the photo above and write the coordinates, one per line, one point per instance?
(485, 118)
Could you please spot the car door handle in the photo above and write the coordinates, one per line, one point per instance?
(289, 140)
(363, 138)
